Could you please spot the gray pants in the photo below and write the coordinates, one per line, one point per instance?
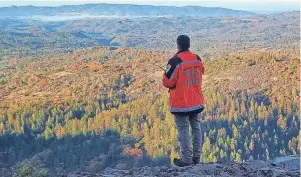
(182, 122)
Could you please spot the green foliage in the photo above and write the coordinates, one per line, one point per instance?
(29, 169)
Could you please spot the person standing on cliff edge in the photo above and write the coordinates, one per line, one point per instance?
(183, 78)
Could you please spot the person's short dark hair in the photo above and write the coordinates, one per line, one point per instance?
(183, 41)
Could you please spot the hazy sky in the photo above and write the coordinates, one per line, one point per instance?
(249, 5)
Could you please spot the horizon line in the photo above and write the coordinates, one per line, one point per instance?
(266, 8)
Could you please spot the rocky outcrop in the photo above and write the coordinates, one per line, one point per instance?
(279, 167)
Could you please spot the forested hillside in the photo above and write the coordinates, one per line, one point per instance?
(105, 107)
(81, 88)
(211, 37)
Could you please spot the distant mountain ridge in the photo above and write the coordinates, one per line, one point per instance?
(123, 10)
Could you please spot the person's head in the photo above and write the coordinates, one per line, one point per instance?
(183, 42)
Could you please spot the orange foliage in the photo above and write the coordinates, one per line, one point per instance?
(73, 66)
(95, 66)
(14, 61)
(281, 123)
(42, 82)
(132, 151)
(67, 108)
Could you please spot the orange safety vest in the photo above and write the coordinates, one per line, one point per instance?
(185, 83)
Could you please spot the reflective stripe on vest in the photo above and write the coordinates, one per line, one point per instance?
(187, 109)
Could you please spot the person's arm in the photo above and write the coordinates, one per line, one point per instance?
(170, 76)
(202, 65)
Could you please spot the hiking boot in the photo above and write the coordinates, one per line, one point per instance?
(180, 163)
(196, 160)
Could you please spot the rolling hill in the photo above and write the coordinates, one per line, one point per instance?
(211, 37)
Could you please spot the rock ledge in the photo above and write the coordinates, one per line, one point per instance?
(279, 167)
